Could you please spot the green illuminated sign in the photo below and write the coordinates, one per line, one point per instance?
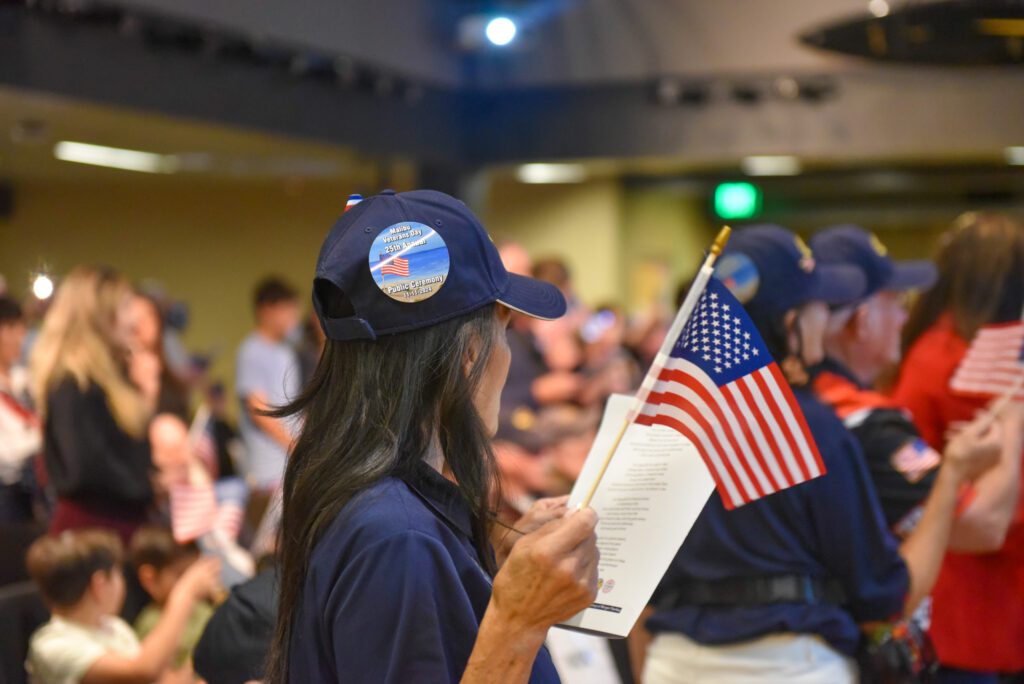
(737, 200)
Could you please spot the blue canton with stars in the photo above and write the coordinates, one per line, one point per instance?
(720, 338)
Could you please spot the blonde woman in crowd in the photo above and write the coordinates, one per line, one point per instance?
(97, 396)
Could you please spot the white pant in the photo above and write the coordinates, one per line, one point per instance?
(784, 658)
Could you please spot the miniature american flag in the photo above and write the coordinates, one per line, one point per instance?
(721, 390)
(353, 200)
(193, 509)
(994, 363)
(396, 267)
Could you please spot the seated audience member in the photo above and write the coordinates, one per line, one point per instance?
(20, 432)
(558, 339)
(532, 382)
(79, 576)
(161, 563)
(569, 431)
(607, 366)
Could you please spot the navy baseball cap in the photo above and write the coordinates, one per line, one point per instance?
(770, 269)
(854, 246)
(396, 262)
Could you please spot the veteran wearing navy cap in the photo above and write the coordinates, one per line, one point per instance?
(777, 590)
(387, 574)
(863, 341)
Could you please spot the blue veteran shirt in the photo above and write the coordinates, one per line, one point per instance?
(395, 590)
(829, 528)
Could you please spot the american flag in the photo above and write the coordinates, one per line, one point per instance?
(396, 267)
(353, 200)
(721, 390)
(994, 363)
(193, 509)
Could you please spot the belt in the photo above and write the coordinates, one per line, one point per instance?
(753, 591)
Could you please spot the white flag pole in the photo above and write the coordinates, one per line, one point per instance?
(700, 282)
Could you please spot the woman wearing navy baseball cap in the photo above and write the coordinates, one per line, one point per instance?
(387, 574)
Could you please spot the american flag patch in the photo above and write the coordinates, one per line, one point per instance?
(914, 460)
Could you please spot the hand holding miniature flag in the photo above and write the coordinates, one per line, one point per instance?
(994, 362)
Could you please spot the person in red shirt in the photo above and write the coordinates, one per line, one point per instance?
(978, 613)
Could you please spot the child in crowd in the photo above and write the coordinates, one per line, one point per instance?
(161, 563)
(79, 576)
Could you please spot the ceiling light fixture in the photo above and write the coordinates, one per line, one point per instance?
(771, 165)
(1014, 155)
(551, 173)
(115, 157)
(500, 31)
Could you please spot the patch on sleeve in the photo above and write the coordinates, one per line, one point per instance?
(914, 459)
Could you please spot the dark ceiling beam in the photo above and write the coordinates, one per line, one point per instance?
(98, 63)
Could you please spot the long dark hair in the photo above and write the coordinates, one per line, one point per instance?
(775, 333)
(981, 277)
(373, 409)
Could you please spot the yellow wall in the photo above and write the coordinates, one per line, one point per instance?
(625, 245)
(207, 244)
(579, 222)
(665, 236)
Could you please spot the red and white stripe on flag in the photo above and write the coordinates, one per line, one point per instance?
(993, 363)
(396, 266)
(721, 390)
(193, 510)
(750, 432)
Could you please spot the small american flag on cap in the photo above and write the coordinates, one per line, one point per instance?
(353, 200)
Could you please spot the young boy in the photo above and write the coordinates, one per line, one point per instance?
(161, 563)
(79, 575)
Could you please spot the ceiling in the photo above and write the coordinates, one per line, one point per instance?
(560, 42)
(584, 81)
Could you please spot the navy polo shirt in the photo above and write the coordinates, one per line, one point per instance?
(395, 590)
(830, 528)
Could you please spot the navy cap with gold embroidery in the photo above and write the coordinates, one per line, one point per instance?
(769, 268)
(855, 246)
(396, 262)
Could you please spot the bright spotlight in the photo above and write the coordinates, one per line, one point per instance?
(42, 286)
(500, 31)
(879, 8)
